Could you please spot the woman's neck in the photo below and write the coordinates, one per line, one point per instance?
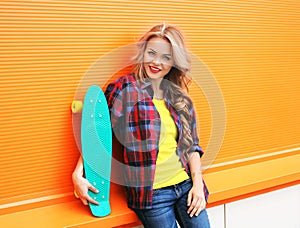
(157, 92)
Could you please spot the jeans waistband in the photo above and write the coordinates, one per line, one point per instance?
(175, 185)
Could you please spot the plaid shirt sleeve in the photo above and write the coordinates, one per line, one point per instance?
(195, 147)
(114, 99)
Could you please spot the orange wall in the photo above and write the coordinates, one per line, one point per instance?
(46, 47)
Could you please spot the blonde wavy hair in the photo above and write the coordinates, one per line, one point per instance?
(179, 74)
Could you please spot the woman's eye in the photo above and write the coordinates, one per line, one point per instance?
(151, 53)
(166, 58)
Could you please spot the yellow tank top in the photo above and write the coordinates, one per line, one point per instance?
(169, 170)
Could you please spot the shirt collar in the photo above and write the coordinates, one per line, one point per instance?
(146, 84)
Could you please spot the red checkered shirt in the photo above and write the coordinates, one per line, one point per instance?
(136, 124)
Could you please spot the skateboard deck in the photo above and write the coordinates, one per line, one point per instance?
(96, 142)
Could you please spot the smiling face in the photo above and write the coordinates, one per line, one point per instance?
(158, 59)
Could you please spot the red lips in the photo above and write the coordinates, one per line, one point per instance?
(154, 69)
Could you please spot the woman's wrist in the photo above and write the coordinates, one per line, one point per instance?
(78, 171)
(76, 175)
(197, 177)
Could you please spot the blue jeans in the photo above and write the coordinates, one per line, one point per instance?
(169, 205)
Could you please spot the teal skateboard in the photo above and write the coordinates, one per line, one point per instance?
(96, 143)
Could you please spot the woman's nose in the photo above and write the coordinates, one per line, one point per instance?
(156, 60)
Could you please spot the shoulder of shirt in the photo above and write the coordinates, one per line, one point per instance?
(128, 78)
(120, 83)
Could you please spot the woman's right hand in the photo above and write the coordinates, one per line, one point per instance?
(82, 185)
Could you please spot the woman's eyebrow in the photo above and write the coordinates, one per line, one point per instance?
(150, 49)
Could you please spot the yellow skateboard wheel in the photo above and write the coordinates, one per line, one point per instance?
(76, 106)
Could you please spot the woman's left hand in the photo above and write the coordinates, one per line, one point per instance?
(196, 200)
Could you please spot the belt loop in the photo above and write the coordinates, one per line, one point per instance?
(177, 190)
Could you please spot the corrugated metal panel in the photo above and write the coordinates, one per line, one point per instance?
(251, 47)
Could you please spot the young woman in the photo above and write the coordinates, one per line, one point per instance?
(154, 119)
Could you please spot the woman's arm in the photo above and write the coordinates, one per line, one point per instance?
(81, 185)
(196, 198)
